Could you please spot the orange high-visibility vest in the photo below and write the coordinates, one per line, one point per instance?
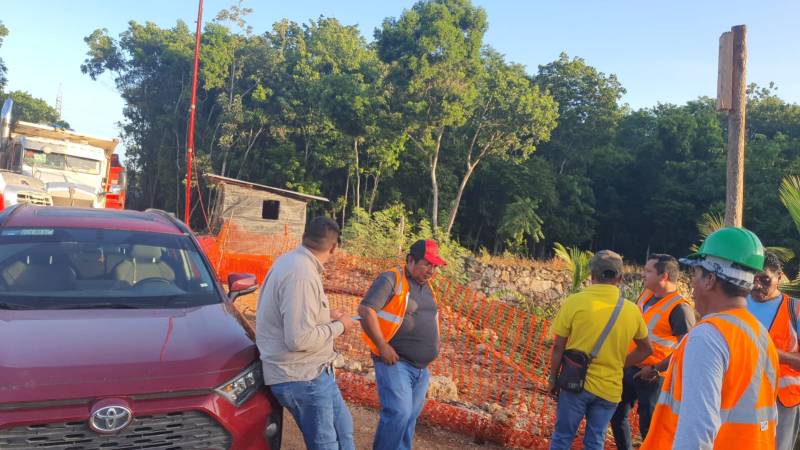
(390, 317)
(784, 335)
(748, 412)
(660, 331)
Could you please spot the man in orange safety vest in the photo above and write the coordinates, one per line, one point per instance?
(778, 313)
(400, 319)
(668, 316)
(719, 390)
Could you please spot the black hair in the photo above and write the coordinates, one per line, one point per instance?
(321, 234)
(414, 258)
(772, 262)
(666, 263)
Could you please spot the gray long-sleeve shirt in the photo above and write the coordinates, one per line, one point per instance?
(294, 331)
(705, 362)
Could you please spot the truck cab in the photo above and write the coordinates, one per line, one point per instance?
(73, 168)
(72, 173)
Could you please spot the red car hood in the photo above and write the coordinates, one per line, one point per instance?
(56, 355)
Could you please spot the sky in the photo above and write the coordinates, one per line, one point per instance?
(662, 52)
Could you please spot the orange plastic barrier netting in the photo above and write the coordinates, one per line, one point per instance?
(493, 361)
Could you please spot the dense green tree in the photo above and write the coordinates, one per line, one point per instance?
(433, 50)
(152, 69)
(3, 69)
(36, 110)
(429, 118)
(589, 113)
(508, 118)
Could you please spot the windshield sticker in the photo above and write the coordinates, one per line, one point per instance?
(29, 232)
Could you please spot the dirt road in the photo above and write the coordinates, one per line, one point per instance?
(365, 421)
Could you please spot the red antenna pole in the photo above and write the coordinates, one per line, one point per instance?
(190, 149)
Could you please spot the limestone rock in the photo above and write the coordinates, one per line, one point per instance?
(339, 362)
(353, 366)
(442, 389)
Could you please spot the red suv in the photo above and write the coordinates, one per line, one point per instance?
(114, 334)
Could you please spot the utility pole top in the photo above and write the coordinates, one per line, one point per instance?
(732, 97)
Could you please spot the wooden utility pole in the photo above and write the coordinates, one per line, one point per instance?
(732, 97)
(192, 108)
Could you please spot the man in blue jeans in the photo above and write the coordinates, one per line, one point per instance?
(400, 320)
(295, 329)
(578, 326)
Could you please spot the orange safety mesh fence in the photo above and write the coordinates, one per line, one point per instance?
(235, 249)
(494, 358)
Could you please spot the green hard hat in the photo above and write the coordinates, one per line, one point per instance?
(738, 245)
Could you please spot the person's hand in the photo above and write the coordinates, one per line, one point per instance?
(552, 388)
(388, 354)
(646, 373)
(337, 313)
(341, 316)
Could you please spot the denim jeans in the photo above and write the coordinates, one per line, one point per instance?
(319, 410)
(401, 388)
(788, 426)
(571, 409)
(643, 392)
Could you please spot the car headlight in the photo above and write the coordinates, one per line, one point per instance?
(239, 389)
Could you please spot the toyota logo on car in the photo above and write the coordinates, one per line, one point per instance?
(110, 419)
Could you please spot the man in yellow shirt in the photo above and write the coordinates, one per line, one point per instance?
(579, 325)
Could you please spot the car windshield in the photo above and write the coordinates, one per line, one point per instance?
(61, 161)
(63, 268)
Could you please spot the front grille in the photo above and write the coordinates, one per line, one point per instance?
(173, 431)
(74, 201)
(34, 198)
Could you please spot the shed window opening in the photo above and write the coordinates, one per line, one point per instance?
(270, 209)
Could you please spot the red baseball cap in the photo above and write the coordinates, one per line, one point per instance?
(428, 249)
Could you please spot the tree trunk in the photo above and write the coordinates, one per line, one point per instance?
(374, 193)
(434, 184)
(358, 175)
(247, 152)
(454, 211)
(344, 204)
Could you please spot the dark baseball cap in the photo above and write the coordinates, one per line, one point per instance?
(606, 261)
(428, 249)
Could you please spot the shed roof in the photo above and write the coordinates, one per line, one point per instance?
(218, 179)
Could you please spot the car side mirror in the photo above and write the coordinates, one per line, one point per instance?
(241, 284)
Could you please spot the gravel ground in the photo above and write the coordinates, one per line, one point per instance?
(365, 421)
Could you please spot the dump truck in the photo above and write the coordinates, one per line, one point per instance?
(47, 165)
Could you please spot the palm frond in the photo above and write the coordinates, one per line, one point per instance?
(563, 254)
(790, 197)
(709, 222)
(791, 287)
(577, 261)
(783, 253)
